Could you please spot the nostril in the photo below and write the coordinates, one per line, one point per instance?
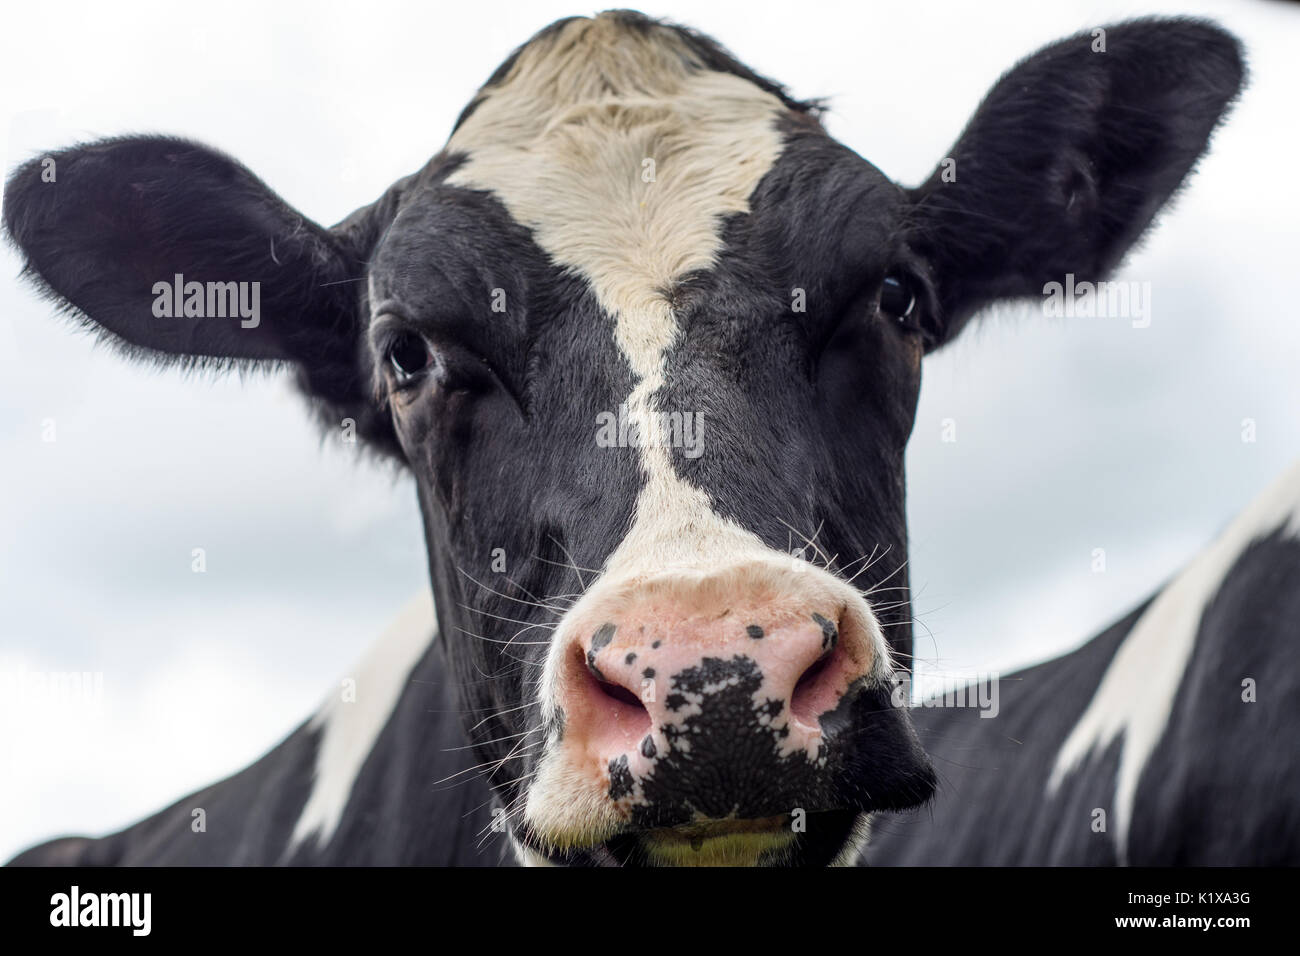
(624, 717)
(620, 694)
(815, 691)
(811, 674)
(615, 713)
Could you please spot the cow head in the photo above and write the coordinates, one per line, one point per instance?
(650, 341)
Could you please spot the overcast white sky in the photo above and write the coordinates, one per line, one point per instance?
(1071, 434)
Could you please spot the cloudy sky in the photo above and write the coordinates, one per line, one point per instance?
(1072, 435)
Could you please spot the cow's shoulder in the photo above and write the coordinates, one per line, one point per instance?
(1222, 787)
(1202, 775)
(998, 759)
(1164, 740)
(243, 819)
(381, 774)
(68, 851)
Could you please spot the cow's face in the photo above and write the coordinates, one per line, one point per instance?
(650, 343)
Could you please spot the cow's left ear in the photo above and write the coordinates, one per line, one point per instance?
(1069, 158)
(181, 254)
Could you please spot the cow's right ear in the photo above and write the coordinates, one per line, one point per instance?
(180, 253)
(1068, 160)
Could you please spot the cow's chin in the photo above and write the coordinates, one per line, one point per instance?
(830, 838)
(726, 843)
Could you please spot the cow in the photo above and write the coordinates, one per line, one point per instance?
(1166, 740)
(638, 326)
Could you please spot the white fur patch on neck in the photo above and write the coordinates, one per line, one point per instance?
(851, 853)
(1136, 695)
(350, 723)
(526, 856)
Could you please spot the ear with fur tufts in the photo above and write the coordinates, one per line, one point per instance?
(181, 254)
(1069, 158)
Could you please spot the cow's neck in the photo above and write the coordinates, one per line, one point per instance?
(392, 771)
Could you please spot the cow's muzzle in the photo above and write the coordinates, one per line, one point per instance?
(708, 709)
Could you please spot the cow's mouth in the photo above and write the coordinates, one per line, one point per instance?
(767, 841)
(696, 834)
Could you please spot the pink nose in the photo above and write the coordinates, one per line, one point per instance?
(670, 677)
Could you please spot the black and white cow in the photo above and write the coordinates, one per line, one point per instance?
(1168, 739)
(626, 225)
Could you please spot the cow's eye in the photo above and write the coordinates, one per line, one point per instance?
(897, 300)
(409, 355)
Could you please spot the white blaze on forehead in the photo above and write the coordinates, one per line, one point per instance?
(1136, 694)
(567, 141)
